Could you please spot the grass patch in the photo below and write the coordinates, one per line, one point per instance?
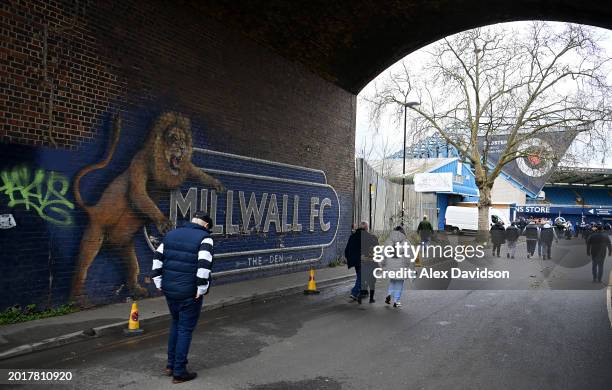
(17, 314)
(337, 262)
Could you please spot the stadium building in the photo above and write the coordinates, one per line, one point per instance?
(575, 194)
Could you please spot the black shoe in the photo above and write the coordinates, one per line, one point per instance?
(507, 255)
(388, 300)
(372, 296)
(372, 300)
(359, 299)
(187, 376)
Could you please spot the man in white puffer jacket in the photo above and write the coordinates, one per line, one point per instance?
(396, 285)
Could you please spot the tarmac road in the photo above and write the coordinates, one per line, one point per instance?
(534, 339)
(534, 335)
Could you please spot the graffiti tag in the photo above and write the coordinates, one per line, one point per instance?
(7, 221)
(42, 191)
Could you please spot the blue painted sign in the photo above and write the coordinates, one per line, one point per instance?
(270, 214)
(88, 208)
(545, 209)
(594, 211)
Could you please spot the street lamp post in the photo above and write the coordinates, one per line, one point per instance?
(406, 105)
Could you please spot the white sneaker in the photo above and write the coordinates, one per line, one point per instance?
(397, 304)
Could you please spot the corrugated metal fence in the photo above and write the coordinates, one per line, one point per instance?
(386, 198)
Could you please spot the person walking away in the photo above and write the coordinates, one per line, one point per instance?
(512, 236)
(498, 237)
(397, 265)
(597, 244)
(352, 252)
(531, 234)
(182, 267)
(589, 229)
(560, 225)
(547, 235)
(425, 231)
(540, 224)
(368, 265)
(521, 224)
(569, 230)
(583, 230)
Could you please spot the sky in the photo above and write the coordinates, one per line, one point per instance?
(390, 132)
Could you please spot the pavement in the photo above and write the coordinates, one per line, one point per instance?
(27, 337)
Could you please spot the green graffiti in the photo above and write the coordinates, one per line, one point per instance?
(42, 191)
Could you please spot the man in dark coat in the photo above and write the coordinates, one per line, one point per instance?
(521, 224)
(368, 265)
(512, 236)
(548, 233)
(360, 245)
(532, 234)
(352, 252)
(425, 231)
(597, 243)
(498, 237)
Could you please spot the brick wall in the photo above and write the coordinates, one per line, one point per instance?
(67, 67)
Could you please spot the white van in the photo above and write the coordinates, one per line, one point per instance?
(459, 219)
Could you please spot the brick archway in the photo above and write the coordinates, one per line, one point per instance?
(351, 42)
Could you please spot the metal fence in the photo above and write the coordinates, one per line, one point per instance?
(378, 201)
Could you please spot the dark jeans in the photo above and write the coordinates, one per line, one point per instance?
(496, 248)
(357, 288)
(546, 249)
(598, 266)
(185, 314)
(368, 281)
(531, 246)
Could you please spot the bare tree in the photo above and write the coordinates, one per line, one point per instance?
(365, 149)
(492, 82)
(377, 149)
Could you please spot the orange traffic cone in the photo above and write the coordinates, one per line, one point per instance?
(418, 263)
(133, 323)
(312, 285)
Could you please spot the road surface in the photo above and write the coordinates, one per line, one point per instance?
(438, 340)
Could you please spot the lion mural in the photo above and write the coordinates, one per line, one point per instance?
(129, 201)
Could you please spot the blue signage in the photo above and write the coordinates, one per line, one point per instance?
(594, 211)
(269, 214)
(559, 210)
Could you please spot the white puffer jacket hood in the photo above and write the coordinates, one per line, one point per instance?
(396, 263)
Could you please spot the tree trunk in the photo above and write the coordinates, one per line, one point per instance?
(484, 202)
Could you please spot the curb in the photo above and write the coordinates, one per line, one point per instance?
(106, 329)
